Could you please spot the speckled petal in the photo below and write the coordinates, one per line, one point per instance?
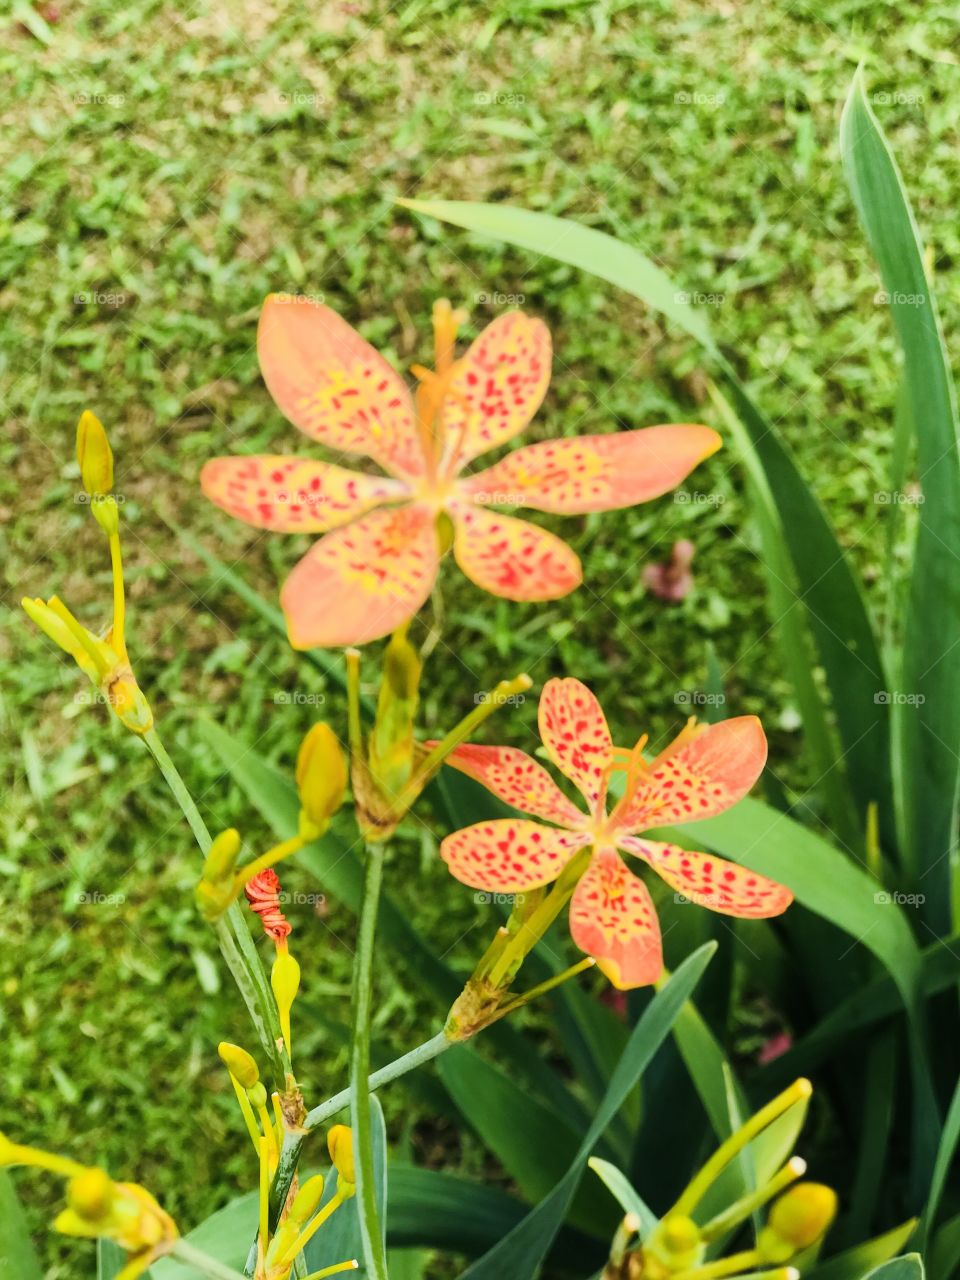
(595, 473)
(512, 558)
(713, 882)
(518, 780)
(574, 731)
(496, 387)
(612, 918)
(294, 495)
(509, 855)
(361, 582)
(334, 386)
(712, 771)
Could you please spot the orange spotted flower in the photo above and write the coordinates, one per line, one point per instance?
(705, 770)
(386, 534)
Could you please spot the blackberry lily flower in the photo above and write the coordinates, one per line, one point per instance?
(385, 535)
(704, 771)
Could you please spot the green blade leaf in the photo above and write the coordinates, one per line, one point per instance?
(908, 1267)
(445, 1211)
(629, 1200)
(820, 877)
(521, 1253)
(225, 1235)
(856, 1264)
(18, 1258)
(531, 1140)
(945, 1155)
(789, 622)
(928, 727)
(582, 247)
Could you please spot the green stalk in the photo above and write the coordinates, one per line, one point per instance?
(236, 944)
(360, 1114)
(202, 1262)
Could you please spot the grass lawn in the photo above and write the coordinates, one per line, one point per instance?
(163, 168)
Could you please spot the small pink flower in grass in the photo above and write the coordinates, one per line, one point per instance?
(672, 581)
(704, 771)
(386, 534)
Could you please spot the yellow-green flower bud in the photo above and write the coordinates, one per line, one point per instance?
(392, 741)
(307, 1200)
(321, 775)
(340, 1146)
(91, 1194)
(241, 1065)
(222, 855)
(803, 1213)
(94, 455)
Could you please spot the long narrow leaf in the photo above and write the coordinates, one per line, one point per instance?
(795, 648)
(927, 705)
(17, 1255)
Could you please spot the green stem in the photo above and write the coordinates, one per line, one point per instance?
(423, 1053)
(432, 761)
(236, 944)
(360, 1111)
(203, 1262)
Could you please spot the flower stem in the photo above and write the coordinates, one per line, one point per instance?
(360, 1111)
(202, 1261)
(233, 934)
(430, 765)
(799, 1091)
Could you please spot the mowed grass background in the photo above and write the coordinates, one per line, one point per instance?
(164, 167)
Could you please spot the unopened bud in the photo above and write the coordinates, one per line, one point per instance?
(392, 740)
(797, 1220)
(222, 856)
(321, 775)
(90, 1194)
(307, 1200)
(340, 1146)
(241, 1065)
(94, 455)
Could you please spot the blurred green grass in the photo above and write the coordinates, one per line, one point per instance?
(161, 172)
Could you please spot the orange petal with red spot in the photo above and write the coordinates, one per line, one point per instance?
(711, 772)
(497, 386)
(713, 882)
(361, 582)
(612, 918)
(512, 558)
(518, 780)
(575, 733)
(595, 473)
(334, 386)
(509, 855)
(294, 495)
